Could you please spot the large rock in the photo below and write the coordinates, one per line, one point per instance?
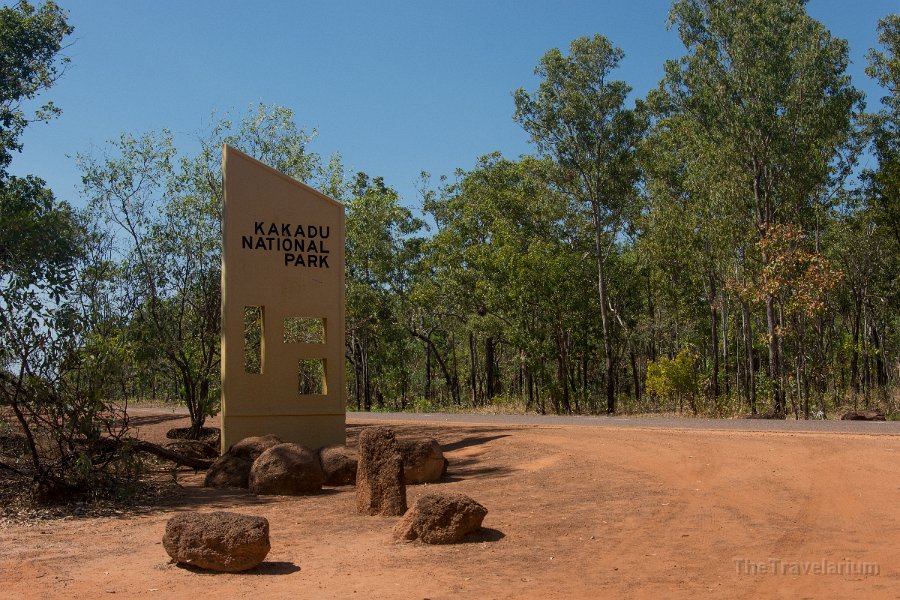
(219, 541)
(338, 465)
(440, 519)
(228, 471)
(193, 449)
(863, 415)
(250, 448)
(380, 486)
(423, 460)
(286, 470)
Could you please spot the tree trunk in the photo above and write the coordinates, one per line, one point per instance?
(854, 356)
(529, 384)
(724, 314)
(865, 355)
(774, 364)
(604, 318)
(636, 378)
(489, 364)
(748, 356)
(473, 369)
(428, 367)
(562, 371)
(712, 296)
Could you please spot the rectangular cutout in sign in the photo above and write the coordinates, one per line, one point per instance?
(253, 339)
(301, 330)
(311, 377)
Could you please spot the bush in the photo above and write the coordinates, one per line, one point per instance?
(675, 379)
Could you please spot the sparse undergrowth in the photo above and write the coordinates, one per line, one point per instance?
(156, 485)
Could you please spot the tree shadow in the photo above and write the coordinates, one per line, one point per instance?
(138, 420)
(471, 441)
(221, 498)
(448, 439)
(263, 568)
(472, 468)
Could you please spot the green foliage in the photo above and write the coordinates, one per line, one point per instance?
(676, 379)
(884, 183)
(578, 117)
(30, 41)
(56, 373)
(714, 221)
(163, 211)
(381, 247)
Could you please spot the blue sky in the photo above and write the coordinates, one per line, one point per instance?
(396, 87)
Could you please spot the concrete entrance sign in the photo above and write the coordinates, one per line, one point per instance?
(282, 307)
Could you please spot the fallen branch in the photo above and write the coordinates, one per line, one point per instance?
(165, 453)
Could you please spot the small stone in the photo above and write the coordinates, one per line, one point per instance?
(219, 541)
(380, 486)
(286, 470)
(440, 518)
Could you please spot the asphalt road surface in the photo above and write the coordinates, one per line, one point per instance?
(868, 427)
(865, 427)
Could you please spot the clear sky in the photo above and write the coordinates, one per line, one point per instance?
(396, 87)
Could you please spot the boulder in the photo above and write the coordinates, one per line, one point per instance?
(250, 448)
(863, 415)
(423, 460)
(228, 471)
(286, 470)
(193, 449)
(219, 541)
(338, 465)
(380, 486)
(440, 518)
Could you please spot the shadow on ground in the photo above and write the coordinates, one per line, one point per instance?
(263, 568)
(138, 421)
(483, 535)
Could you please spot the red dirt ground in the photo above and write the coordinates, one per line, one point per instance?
(574, 512)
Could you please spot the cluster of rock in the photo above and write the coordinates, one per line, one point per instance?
(386, 465)
(381, 469)
(267, 465)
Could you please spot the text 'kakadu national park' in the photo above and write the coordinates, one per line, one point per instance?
(302, 245)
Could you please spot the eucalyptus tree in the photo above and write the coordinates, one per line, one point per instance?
(884, 66)
(51, 374)
(382, 245)
(690, 231)
(762, 90)
(31, 41)
(507, 263)
(578, 117)
(165, 211)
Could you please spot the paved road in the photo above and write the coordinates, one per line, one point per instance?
(869, 427)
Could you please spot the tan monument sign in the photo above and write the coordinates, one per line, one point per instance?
(282, 307)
